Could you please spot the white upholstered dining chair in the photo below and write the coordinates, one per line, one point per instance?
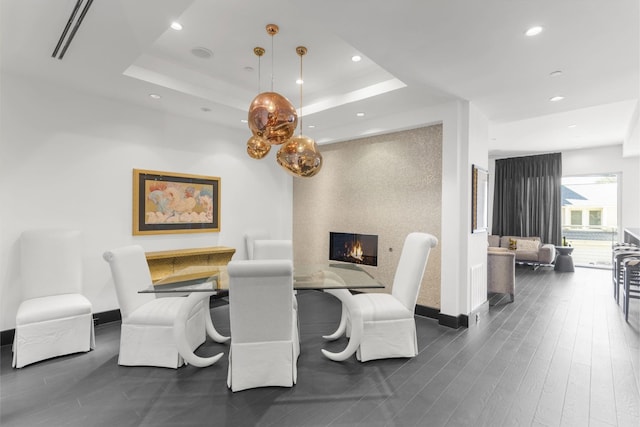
(54, 318)
(250, 237)
(147, 331)
(273, 249)
(382, 325)
(264, 337)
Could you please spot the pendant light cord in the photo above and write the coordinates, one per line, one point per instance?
(301, 84)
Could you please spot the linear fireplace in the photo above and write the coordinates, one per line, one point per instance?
(353, 248)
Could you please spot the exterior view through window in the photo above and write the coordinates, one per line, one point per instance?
(590, 217)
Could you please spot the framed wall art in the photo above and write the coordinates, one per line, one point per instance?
(479, 195)
(166, 202)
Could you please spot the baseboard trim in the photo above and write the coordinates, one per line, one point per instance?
(425, 311)
(6, 337)
(454, 322)
(106, 317)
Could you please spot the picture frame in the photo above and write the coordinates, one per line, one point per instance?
(167, 202)
(479, 196)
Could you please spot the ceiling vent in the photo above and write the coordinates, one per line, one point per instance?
(59, 53)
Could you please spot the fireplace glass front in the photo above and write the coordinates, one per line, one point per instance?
(353, 248)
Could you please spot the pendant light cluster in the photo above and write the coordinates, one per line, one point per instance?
(273, 119)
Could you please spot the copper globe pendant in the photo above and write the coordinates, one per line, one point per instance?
(257, 147)
(300, 157)
(272, 117)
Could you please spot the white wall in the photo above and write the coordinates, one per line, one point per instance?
(66, 160)
(465, 136)
(478, 155)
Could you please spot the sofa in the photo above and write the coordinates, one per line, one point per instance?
(527, 250)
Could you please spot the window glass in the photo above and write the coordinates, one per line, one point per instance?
(595, 217)
(576, 217)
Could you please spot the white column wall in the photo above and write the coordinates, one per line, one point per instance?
(66, 160)
(465, 136)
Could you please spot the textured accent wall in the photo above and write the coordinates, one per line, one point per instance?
(389, 185)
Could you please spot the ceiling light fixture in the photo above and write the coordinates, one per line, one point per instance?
(356, 58)
(272, 117)
(176, 26)
(300, 155)
(556, 73)
(360, 114)
(154, 96)
(272, 120)
(533, 31)
(257, 147)
(556, 98)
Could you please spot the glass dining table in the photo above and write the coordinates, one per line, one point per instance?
(199, 285)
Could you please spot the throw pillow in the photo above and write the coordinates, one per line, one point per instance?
(513, 244)
(527, 245)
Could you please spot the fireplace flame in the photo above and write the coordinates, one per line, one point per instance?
(356, 251)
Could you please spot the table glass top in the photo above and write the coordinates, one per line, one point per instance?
(307, 276)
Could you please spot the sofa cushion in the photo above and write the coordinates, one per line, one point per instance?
(522, 255)
(494, 241)
(527, 245)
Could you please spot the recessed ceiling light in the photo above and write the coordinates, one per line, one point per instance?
(572, 126)
(205, 109)
(555, 73)
(248, 69)
(176, 26)
(360, 114)
(311, 126)
(154, 96)
(299, 81)
(533, 31)
(356, 58)
(202, 52)
(556, 98)
(244, 121)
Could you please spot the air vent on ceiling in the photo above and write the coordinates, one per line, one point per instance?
(57, 52)
(201, 52)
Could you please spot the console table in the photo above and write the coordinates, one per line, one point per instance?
(180, 265)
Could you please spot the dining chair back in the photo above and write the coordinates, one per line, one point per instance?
(263, 325)
(54, 318)
(273, 249)
(250, 237)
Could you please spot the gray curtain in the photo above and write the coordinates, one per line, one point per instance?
(527, 199)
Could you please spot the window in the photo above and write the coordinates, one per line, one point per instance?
(576, 217)
(589, 217)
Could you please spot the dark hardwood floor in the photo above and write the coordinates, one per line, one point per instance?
(561, 354)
